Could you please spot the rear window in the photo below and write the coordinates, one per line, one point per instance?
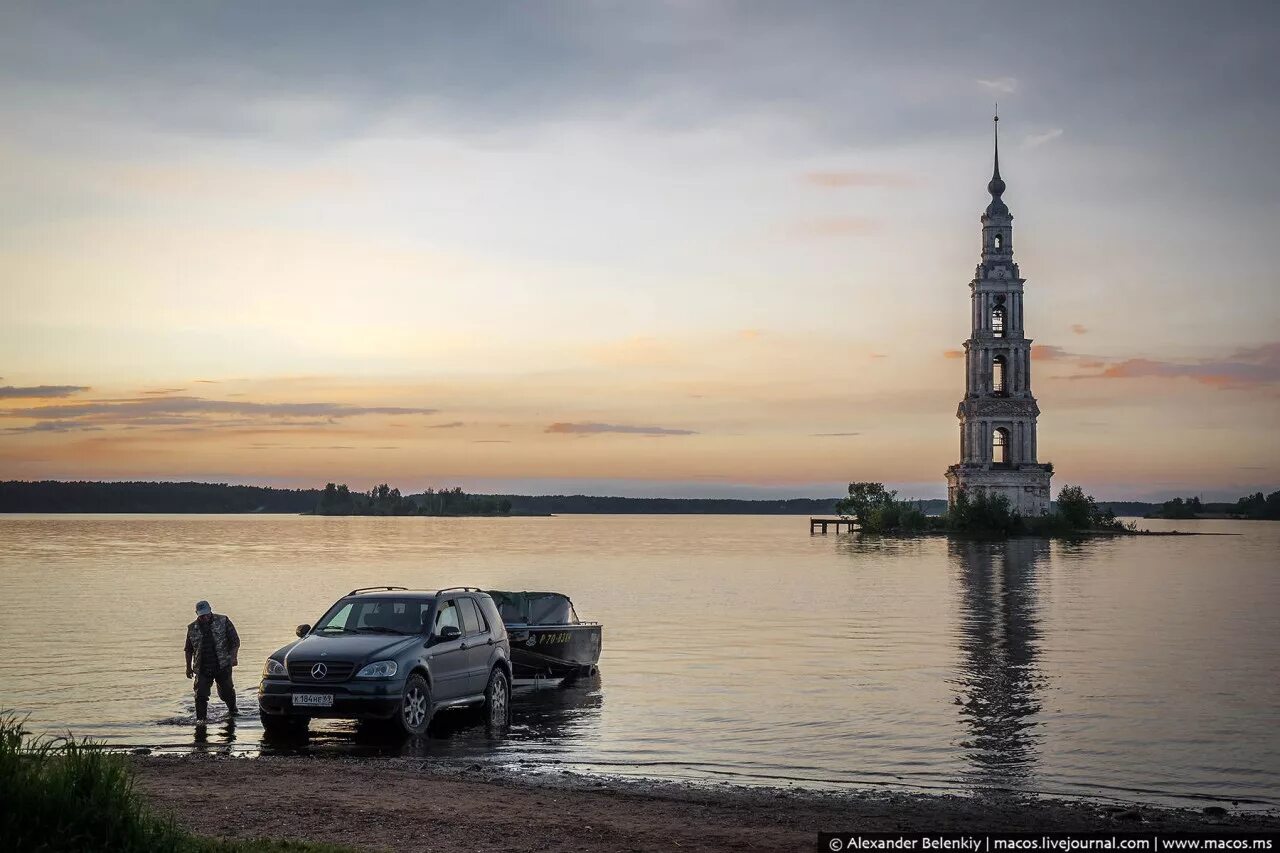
(470, 616)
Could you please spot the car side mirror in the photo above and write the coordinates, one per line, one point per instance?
(303, 630)
(449, 632)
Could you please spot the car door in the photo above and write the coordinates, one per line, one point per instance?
(447, 659)
(479, 644)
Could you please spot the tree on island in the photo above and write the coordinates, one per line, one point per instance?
(876, 508)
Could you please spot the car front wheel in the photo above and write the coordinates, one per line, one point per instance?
(415, 706)
(497, 699)
(283, 724)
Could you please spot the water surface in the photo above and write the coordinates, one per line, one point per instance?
(736, 648)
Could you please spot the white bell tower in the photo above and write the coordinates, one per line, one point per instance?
(998, 413)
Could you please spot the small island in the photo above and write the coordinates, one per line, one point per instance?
(877, 510)
(338, 499)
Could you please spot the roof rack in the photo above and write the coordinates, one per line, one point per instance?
(372, 588)
(459, 589)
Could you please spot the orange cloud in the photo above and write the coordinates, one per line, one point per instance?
(1078, 329)
(1245, 368)
(592, 429)
(1047, 352)
(953, 353)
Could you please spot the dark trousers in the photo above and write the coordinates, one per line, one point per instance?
(226, 690)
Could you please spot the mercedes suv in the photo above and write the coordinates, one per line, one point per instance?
(393, 654)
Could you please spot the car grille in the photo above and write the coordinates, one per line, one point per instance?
(301, 671)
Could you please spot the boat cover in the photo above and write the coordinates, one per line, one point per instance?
(534, 608)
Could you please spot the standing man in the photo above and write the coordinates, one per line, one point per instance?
(213, 648)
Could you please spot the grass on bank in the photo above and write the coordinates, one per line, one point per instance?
(64, 794)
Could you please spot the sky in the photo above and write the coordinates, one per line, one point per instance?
(635, 248)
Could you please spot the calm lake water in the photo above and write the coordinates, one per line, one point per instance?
(735, 648)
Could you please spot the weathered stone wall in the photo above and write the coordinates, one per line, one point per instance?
(1027, 490)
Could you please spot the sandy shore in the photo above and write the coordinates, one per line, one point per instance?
(408, 805)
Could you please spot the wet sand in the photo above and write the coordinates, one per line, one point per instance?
(412, 805)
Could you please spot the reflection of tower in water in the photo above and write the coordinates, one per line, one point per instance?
(999, 683)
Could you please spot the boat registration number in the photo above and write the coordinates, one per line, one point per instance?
(314, 700)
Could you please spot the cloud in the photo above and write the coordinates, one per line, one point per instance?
(33, 391)
(164, 392)
(953, 353)
(833, 434)
(53, 426)
(270, 446)
(835, 226)
(199, 413)
(852, 178)
(450, 425)
(1078, 329)
(491, 441)
(1007, 85)
(1244, 368)
(1047, 352)
(592, 429)
(1034, 140)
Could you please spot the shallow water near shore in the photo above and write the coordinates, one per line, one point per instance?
(736, 648)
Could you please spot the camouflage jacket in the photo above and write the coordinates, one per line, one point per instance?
(226, 642)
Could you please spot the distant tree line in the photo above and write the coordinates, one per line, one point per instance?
(566, 504)
(1257, 506)
(145, 497)
(187, 497)
(59, 496)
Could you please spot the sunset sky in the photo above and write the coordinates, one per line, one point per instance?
(667, 248)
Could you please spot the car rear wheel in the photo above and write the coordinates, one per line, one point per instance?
(497, 699)
(415, 706)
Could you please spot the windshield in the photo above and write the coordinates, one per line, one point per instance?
(375, 616)
(534, 608)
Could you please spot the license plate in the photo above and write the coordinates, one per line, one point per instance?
(314, 700)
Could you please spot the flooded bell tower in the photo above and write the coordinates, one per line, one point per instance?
(998, 413)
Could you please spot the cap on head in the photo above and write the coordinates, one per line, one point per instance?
(203, 608)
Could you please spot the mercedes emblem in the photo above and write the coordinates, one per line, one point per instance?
(319, 671)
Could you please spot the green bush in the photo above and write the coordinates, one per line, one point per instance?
(877, 510)
(63, 794)
(983, 514)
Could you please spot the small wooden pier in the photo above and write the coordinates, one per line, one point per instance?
(819, 525)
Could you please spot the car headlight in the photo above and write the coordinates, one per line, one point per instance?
(378, 669)
(275, 669)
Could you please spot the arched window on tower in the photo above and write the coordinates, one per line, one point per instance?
(997, 375)
(998, 242)
(1000, 446)
(997, 321)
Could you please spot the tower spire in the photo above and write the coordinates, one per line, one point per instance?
(996, 187)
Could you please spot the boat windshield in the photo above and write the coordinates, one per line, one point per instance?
(535, 608)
